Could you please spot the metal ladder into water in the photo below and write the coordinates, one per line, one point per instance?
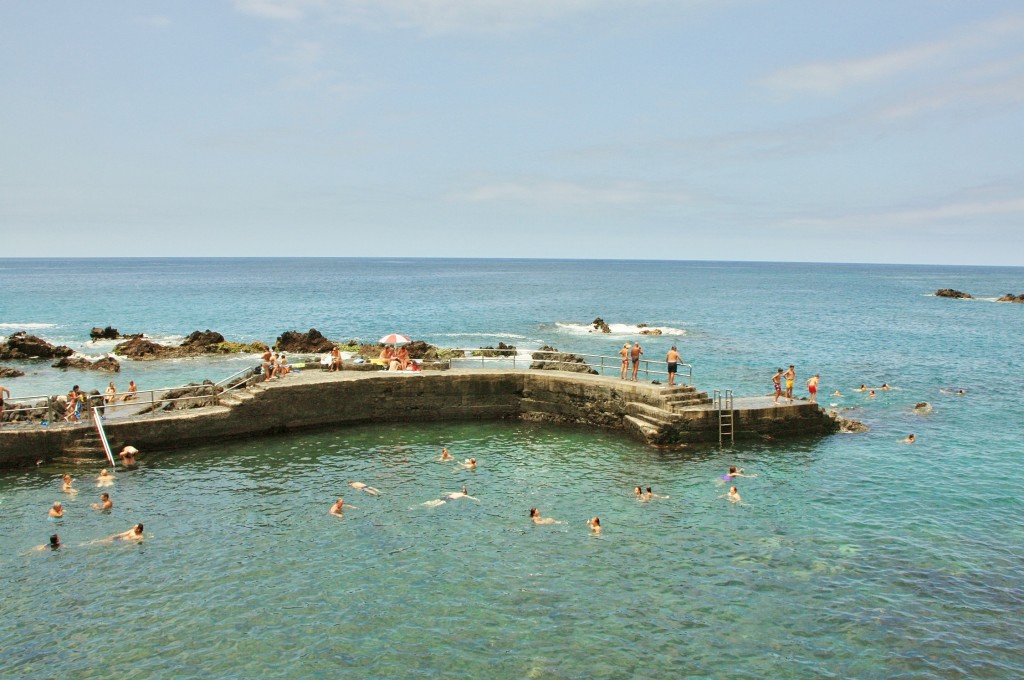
(97, 418)
(723, 404)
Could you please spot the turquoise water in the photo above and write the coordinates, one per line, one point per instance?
(850, 556)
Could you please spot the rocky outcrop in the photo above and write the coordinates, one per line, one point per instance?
(650, 331)
(24, 346)
(196, 344)
(849, 425)
(952, 293)
(109, 333)
(8, 372)
(502, 350)
(295, 342)
(550, 359)
(1010, 297)
(600, 325)
(105, 364)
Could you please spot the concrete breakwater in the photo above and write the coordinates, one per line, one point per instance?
(656, 414)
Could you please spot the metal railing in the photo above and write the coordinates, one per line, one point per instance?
(603, 364)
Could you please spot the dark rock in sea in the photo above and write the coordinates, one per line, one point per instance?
(295, 342)
(140, 348)
(1010, 297)
(202, 338)
(21, 345)
(600, 325)
(502, 350)
(850, 425)
(550, 359)
(951, 293)
(105, 364)
(8, 372)
(197, 343)
(108, 333)
(650, 331)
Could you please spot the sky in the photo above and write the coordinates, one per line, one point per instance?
(867, 131)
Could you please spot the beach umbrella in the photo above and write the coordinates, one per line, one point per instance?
(394, 339)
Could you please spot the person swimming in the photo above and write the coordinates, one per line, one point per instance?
(455, 495)
(734, 495)
(104, 504)
(363, 487)
(469, 464)
(66, 488)
(735, 472)
(54, 544)
(650, 495)
(338, 509)
(105, 478)
(837, 393)
(872, 394)
(537, 519)
(639, 492)
(445, 456)
(595, 524)
(909, 439)
(57, 511)
(133, 534)
(862, 388)
(885, 386)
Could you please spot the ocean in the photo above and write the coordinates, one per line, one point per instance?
(854, 555)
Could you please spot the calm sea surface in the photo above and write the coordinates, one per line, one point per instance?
(850, 556)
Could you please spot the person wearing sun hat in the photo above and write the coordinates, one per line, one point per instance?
(624, 353)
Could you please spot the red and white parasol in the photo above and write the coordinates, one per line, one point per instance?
(394, 339)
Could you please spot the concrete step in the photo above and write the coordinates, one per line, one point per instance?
(678, 389)
(88, 458)
(652, 414)
(645, 428)
(692, 400)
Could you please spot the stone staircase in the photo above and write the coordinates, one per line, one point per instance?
(87, 450)
(650, 421)
(680, 397)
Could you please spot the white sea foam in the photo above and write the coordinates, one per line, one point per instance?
(484, 335)
(27, 326)
(616, 329)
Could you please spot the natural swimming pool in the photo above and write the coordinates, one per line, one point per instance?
(244, 574)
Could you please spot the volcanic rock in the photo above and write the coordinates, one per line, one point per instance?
(550, 359)
(600, 325)
(7, 372)
(295, 342)
(951, 293)
(1010, 297)
(21, 345)
(105, 364)
(108, 333)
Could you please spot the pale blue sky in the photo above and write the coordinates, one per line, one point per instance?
(654, 129)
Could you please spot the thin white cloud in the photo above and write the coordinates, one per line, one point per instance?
(287, 10)
(944, 212)
(561, 193)
(828, 77)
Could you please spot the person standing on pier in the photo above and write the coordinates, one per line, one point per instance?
(673, 359)
(812, 388)
(790, 377)
(624, 353)
(777, 383)
(634, 355)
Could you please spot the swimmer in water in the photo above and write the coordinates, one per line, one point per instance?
(133, 534)
(455, 495)
(338, 509)
(595, 524)
(959, 393)
(66, 488)
(54, 544)
(910, 439)
(639, 492)
(734, 495)
(362, 487)
(445, 456)
(885, 386)
(862, 388)
(469, 464)
(837, 393)
(104, 504)
(105, 478)
(872, 394)
(735, 472)
(57, 511)
(127, 455)
(537, 519)
(650, 495)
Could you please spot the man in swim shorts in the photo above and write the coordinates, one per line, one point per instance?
(634, 355)
(812, 388)
(790, 377)
(673, 360)
(777, 383)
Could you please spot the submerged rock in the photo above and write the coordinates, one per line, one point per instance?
(849, 424)
(650, 331)
(1010, 297)
(21, 345)
(952, 293)
(8, 372)
(502, 350)
(105, 364)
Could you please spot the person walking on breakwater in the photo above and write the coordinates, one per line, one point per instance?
(777, 384)
(673, 359)
(624, 354)
(3, 391)
(790, 377)
(634, 356)
(812, 388)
